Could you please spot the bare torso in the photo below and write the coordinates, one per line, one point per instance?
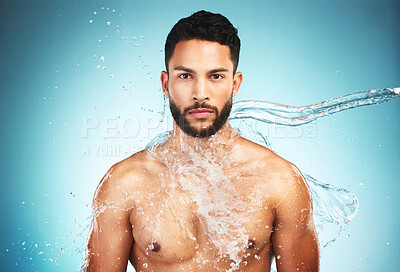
(230, 206)
(188, 216)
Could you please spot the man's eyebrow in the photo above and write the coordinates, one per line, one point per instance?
(218, 70)
(183, 68)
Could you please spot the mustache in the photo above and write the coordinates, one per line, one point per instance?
(203, 105)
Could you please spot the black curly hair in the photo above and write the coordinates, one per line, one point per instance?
(207, 26)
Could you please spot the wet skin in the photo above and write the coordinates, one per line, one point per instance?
(145, 212)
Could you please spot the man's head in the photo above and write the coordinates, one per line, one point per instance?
(201, 57)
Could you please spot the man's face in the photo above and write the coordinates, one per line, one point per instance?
(200, 86)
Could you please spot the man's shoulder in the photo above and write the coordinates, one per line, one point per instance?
(254, 153)
(133, 163)
(121, 179)
(280, 175)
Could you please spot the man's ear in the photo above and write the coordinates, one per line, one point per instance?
(237, 81)
(164, 83)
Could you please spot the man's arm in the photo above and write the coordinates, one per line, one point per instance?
(294, 237)
(110, 239)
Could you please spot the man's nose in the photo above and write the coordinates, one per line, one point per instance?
(200, 91)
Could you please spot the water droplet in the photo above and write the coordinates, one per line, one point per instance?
(91, 21)
(102, 58)
(94, 12)
(278, 257)
(108, 23)
(145, 265)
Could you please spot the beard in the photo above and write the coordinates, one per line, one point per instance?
(183, 123)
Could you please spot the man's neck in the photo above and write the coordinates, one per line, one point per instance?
(216, 143)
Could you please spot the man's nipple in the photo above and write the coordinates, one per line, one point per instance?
(154, 246)
(251, 244)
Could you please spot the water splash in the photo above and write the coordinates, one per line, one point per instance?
(332, 205)
(274, 113)
(218, 202)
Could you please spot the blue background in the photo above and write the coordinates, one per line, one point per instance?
(64, 119)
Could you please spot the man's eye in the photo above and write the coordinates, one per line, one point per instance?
(216, 76)
(184, 76)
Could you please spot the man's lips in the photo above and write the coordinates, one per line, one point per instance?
(200, 112)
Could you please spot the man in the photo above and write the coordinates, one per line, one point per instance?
(204, 199)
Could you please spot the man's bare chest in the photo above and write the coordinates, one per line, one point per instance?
(199, 216)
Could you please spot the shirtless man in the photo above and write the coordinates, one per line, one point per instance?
(202, 198)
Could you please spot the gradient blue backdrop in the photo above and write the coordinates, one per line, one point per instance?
(67, 114)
